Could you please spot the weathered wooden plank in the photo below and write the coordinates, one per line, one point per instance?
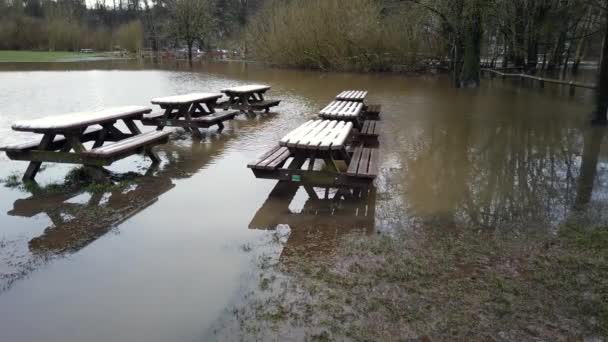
(90, 134)
(126, 145)
(263, 156)
(186, 98)
(372, 166)
(354, 162)
(215, 118)
(78, 120)
(247, 89)
(295, 132)
(278, 153)
(280, 159)
(363, 164)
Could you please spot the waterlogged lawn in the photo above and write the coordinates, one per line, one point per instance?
(432, 285)
(47, 56)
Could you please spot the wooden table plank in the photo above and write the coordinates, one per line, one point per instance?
(186, 98)
(247, 89)
(318, 134)
(78, 120)
(342, 110)
(352, 95)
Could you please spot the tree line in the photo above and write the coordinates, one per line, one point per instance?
(70, 25)
(361, 35)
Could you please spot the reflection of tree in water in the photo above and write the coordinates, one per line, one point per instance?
(325, 216)
(510, 173)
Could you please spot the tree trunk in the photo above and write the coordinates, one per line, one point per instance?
(599, 115)
(588, 171)
(190, 43)
(519, 37)
(469, 76)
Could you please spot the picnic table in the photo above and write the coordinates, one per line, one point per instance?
(249, 98)
(190, 111)
(352, 95)
(342, 110)
(370, 111)
(368, 130)
(319, 139)
(68, 132)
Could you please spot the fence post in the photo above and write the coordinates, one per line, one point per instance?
(572, 88)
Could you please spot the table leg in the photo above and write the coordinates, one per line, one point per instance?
(147, 150)
(34, 167)
(163, 122)
(97, 173)
(211, 106)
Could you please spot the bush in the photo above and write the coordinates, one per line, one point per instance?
(332, 34)
(130, 36)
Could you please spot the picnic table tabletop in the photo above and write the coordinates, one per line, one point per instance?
(352, 95)
(318, 135)
(79, 120)
(186, 98)
(246, 89)
(342, 110)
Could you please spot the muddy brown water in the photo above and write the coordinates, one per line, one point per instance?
(165, 257)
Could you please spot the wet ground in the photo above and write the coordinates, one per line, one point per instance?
(165, 255)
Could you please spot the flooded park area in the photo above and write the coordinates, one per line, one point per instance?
(478, 194)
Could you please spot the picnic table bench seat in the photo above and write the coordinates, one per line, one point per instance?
(373, 109)
(127, 146)
(89, 134)
(271, 160)
(364, 163)
(265, 105)
(205, 121)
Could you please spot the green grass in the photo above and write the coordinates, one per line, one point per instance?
(46, 56)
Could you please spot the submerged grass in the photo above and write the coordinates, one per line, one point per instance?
(76, 179)
(463, 284)
(45, 56)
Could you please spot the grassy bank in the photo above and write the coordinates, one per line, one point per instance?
(48, 56)
(438, 283)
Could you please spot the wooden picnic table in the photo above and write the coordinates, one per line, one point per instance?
(248, 98)
(68, 132)
(343, 110)
(352, 95)
(318, 139)
(190, 111)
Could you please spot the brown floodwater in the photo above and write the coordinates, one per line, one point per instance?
(163, 258)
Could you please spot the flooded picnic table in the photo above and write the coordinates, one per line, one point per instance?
(169, 251)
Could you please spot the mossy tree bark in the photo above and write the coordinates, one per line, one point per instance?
(599, 115)
(469, 75)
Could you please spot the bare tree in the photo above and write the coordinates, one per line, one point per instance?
(194, 21)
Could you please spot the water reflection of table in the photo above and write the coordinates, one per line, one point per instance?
(325, 216)
(76, 224)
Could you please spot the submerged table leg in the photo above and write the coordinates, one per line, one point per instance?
(148, 150)
(34, 167)
(97, 173)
